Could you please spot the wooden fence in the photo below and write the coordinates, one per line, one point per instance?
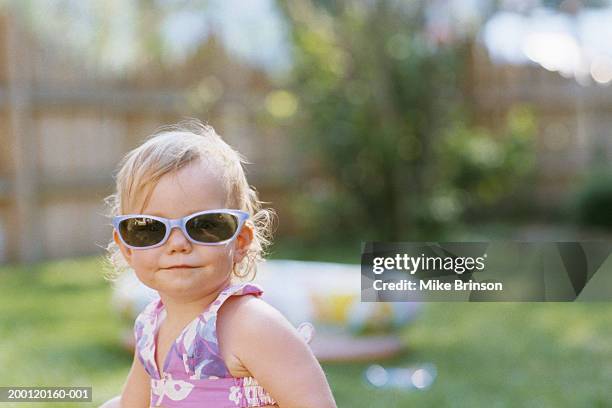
(64, 127)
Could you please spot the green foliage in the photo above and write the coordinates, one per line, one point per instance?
(593, 200)
(390, 148)
(480, 166)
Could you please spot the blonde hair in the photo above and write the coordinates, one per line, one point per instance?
(169, 149)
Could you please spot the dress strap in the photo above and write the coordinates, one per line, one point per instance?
(234, 290)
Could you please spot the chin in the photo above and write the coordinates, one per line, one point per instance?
(178, 288)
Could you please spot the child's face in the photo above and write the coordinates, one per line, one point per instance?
(191, 189)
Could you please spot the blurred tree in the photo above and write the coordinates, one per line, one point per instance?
(591, 203)
(384, 122)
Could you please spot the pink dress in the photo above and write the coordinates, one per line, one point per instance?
(195, 374)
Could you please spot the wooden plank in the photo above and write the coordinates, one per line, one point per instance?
(24, 223)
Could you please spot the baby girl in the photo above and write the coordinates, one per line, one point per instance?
(189, 225)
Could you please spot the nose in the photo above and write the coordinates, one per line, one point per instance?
(178, 242)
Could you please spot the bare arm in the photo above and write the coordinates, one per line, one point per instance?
(136, 391)
(276, 355)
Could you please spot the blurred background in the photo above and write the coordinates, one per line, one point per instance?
(363, 120)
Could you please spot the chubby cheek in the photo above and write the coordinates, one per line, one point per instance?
(145, 264)
(217, 258)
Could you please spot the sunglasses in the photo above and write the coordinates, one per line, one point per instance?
(211, 227)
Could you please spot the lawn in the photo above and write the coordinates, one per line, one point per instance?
(57, 328)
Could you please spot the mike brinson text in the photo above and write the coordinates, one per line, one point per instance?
(437, 285)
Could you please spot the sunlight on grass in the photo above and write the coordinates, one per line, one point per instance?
(58, 328)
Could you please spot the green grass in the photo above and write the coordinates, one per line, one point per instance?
(57, 328)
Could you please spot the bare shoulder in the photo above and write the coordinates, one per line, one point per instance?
(246, 317)
(250, 315)
(250, 305)
(271, 350)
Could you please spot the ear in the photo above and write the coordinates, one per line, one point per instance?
(125, 251)
(243, 242)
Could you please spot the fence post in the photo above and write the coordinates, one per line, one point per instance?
(25, 153)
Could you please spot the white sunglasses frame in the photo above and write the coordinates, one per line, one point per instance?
(180, 223)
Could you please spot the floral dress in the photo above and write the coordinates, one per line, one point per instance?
(195, 374)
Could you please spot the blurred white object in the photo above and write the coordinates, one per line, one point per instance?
(418, 377)
(328, 294)
(576, 46)
(307, 331)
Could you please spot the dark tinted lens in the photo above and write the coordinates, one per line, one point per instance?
(142, 231)
(214, 227)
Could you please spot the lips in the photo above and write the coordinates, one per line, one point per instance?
(180, 266)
